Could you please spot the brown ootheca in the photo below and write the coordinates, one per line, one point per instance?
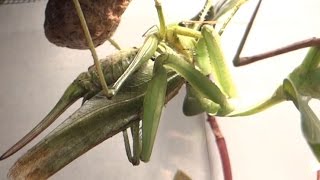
(62, 25)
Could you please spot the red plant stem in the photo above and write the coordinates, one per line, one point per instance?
(222, 146)
(318, 175)
(292, 47)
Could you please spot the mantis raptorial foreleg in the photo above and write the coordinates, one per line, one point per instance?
(213, 97)
(220, 70)
(168, 34)
(171, 37)
(209, 95)
(154, 98)
(211, 59)
(205, 59)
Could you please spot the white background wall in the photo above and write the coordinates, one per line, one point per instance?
(34, 73)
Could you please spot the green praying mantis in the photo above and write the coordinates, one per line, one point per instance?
(289, 89)
(166, 42)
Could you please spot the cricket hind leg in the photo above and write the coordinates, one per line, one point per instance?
(134, 155)
(92, 48)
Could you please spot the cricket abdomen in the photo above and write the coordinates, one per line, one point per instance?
(113, 67)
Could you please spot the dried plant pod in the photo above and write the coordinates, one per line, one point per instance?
(62, 25)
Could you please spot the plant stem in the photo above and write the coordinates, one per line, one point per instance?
(291, 47)
(222, 146)
(245, 35)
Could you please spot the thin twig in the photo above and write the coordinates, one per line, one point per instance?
(246, 33)
(292, 47)
(222, 146)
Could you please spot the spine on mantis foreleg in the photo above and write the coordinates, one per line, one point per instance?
(199, 82)
(202, 59)
(86, 85)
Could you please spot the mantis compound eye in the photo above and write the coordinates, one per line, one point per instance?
(62, 25)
